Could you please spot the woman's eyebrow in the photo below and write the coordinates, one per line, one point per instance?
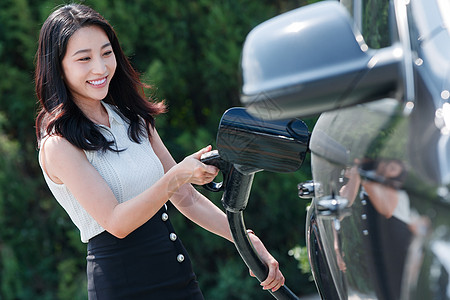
(89, 50)
(106, 45)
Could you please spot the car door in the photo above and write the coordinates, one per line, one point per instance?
(384, 165)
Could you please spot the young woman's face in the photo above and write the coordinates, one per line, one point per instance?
(89, 64)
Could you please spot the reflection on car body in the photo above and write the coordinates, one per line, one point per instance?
(378, 72)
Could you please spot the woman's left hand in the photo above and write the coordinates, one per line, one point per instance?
(275, 278)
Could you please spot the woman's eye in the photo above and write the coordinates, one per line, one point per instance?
(107, 53)
(85, 59)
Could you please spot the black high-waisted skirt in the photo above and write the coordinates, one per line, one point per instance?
(150, 263)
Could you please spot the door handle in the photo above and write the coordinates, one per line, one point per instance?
(332, 206)
(306, 189)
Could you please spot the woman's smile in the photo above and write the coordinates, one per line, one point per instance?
(89, 64)
(98, 83)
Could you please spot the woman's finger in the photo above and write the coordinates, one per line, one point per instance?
(200, 152)
(275, 284)
(251, 273)
(273, 270)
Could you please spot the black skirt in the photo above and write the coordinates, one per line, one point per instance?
(150, 263)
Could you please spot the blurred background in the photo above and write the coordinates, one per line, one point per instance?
(188, 51)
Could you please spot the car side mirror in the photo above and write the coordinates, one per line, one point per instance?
(311, 60)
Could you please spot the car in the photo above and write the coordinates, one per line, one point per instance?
(377, 73)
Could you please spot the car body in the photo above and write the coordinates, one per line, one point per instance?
(378, 73)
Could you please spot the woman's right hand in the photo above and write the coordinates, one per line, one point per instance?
(192, 170)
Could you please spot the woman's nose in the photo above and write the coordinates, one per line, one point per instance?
(99, 66)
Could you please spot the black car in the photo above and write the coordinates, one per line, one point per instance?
(378, 73)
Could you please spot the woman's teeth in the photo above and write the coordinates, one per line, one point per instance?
(97, 82)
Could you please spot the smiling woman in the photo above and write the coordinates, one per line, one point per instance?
(105, 163)
(64, 36)
(88, 71)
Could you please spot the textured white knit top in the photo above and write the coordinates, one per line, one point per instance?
(127, 173)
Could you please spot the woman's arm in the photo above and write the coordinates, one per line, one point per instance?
(67, 164)
(188, 200)
(203, 212)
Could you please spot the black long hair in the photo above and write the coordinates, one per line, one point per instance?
(58, 112)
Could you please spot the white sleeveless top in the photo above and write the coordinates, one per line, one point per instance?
(127, 173)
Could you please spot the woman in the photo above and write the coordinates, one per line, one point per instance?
(105, 163)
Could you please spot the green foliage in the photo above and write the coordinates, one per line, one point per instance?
(189, 52)
(301, 255)
(231, 274)
(376, 23)
(71, 280)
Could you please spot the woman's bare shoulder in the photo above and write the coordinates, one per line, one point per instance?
(57, 155)
(58, 145)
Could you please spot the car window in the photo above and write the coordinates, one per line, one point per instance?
(372, 19)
